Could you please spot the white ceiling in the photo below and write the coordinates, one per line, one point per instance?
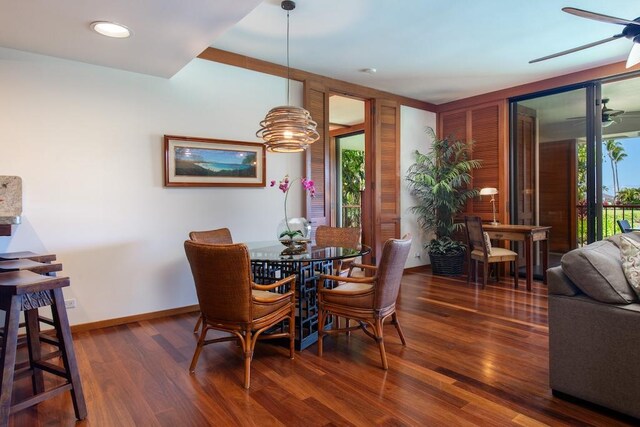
(432, 50)
(167, 34)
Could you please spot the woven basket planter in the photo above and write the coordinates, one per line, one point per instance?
(447, 265)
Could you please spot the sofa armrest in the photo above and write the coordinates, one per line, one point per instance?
(560, 284)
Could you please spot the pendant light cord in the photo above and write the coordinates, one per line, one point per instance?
(288, 69)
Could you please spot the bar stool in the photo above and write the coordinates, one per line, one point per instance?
(23, 290)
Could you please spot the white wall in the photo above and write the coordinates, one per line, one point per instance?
(87, 142)
(413, 123)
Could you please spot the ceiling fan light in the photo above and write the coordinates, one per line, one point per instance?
(634, 55)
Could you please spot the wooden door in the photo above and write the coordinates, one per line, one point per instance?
(318, 209)
(526, 142)
(558, 193)
(385, 181)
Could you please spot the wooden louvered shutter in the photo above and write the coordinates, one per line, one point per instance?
(318, 209)
(484, 125)
(386, 181)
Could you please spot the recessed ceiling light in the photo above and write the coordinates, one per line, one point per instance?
(369, 70)
(110, 29)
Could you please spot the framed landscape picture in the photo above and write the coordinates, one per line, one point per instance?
(202, 162)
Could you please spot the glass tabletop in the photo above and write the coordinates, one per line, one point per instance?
(273, 251)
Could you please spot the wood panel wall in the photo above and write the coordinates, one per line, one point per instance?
(318, 209)
(486, 125)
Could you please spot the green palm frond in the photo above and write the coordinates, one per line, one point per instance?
(439, 182)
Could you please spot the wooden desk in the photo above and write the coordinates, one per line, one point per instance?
(528, 234)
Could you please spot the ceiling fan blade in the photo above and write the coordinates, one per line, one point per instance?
(634, 55)
(575, 49)
(598, 16)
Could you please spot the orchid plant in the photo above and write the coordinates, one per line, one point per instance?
(285, 185)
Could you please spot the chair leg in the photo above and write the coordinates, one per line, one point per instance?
(469, 270)
(292, 331)
(485, 266)
(396, 323)
(475, 271)
(248, 355)
(380, 340)
(321, 317)
(199, 345)
(198, 323)
(497, 268)
(515, 274)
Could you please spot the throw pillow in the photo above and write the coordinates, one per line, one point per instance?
(630, 253)
(487, 242)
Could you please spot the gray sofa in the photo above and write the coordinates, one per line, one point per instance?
(594, 328)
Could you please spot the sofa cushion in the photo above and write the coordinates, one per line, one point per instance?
(615, 239)
(596, 270)
(630, 254)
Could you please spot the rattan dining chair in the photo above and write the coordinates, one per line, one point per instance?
(231, 302)
(367, 300)
(218, 236)
(480, 250)
(345, 237)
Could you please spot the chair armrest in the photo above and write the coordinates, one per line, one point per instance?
(360, 266)
(366, 266)
(286, 295)
(323, 277)
(272, 286)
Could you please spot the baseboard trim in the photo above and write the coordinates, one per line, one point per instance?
(84, 327)
(418, 269)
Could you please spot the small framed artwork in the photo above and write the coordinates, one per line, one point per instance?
(202, 162)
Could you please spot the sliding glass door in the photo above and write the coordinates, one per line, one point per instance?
(574, 155)
(554, 167)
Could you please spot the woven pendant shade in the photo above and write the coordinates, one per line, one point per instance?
(287, 129)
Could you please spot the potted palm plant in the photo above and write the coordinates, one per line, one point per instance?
(439, 181)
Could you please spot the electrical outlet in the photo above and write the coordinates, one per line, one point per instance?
(70, 303)
(417, 255)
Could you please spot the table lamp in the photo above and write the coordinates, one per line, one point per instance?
(489, 191)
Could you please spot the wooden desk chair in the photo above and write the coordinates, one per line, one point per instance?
(346, 237)
(367, 300)
(231, 302)
(480, 250)
(218, 236)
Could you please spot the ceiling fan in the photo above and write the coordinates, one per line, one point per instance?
(631, 31)
(609, 115)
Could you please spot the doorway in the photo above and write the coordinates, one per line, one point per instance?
(347, 131)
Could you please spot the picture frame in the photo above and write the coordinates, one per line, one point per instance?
(205, 162)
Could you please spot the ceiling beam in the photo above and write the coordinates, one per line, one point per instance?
(334, 85)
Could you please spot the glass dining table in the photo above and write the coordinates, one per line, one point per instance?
(270, 263)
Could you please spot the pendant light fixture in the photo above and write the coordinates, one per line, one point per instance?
(288, 129)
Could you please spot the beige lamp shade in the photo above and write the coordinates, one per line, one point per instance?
(488, 191)
(287, 129)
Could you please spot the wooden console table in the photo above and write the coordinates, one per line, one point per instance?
(528, 234)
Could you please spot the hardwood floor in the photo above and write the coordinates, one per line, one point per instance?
(474, 357)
